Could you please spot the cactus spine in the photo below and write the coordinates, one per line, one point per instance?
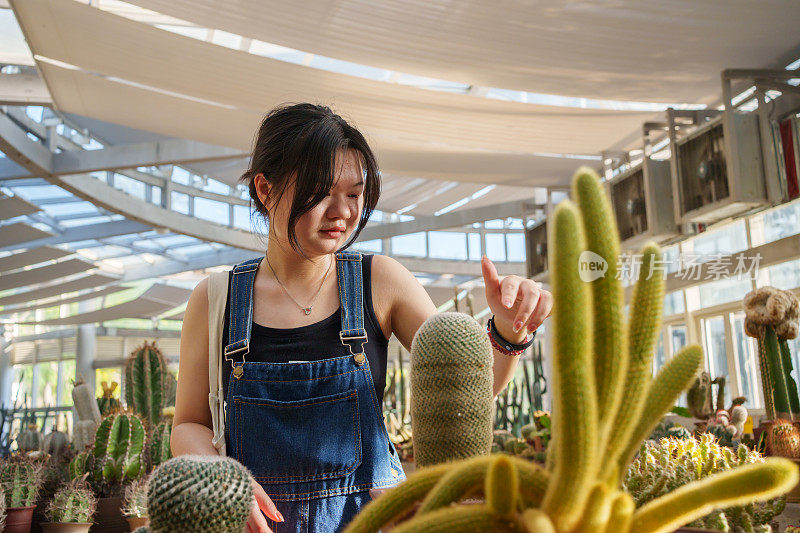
(772, 317)
(575, 476)
(119, 448)
(21, 480)
(194, 494)
(575, 430)
(609, 344)
(451, 389)
(107, 403)
(72, 503)
(145, 383)
(136, 498)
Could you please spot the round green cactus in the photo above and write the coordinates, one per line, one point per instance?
(451, 389)
(74, 502)
(199, 493)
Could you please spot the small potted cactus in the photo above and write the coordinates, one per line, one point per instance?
(135, 503)
(71, 509)
(21, 481)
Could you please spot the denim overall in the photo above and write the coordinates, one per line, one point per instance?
(311, 433)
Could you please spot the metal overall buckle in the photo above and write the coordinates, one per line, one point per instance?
(237, 369)
(360, 357)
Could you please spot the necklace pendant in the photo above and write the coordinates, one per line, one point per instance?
(307, 310)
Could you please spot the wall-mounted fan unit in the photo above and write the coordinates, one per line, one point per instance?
(641, 198)
(717, 169)
(536, 248)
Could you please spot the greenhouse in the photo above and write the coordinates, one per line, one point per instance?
(295, 267)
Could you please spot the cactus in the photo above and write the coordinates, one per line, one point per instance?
(145, 383)
(159, 443)
(30, 440)
(56, 444)
(451, 389)
(107, 403)
(772, 317)
(135, 503)
(2, 510)
(665, 465)
(581, 489)
(21, 480)
(118, 448)
(84, 401)
(72, 503)
(193, 493)
(783, 439)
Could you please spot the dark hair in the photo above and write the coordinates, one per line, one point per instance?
(303, 139)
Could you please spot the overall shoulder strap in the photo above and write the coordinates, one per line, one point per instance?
(349, 277)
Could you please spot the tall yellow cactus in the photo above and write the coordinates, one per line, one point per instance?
(598, 360)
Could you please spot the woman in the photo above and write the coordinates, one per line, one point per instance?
(307, 327)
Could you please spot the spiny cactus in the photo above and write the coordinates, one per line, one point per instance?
(72, 503)
(159, 442)
(773, 317)
(2, 510)
(194, 493)
(56, 444)
(21, 480)
(581, 490)
(107, 403)
(145, 383)
(664, 466)
(135, 503)
(451, 389)
(118, 450)
(30, 439)
(783, 439)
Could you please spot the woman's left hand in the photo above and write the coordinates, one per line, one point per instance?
(519, 305)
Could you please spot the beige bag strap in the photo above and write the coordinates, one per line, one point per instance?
(217, 298)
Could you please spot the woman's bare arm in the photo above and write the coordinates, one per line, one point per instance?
(191, 431)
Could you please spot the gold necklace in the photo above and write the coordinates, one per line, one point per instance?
(306, 310)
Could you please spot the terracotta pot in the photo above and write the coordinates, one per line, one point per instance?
(136, 521)
(109, 518)
(66, 527)
(18, 519)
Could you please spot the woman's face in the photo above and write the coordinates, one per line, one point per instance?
(329, 224)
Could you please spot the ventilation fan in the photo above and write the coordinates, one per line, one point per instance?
(642, 201)
(536, 246)
(717, 169)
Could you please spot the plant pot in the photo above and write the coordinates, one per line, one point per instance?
(66, 527)
(136, 521)
(18, 519)
(109, 518)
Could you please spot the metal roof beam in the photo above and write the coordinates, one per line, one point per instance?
(167, 152)
(454, 219)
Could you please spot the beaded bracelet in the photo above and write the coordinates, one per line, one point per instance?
(502, 345)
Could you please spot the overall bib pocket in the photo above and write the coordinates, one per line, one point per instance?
(324, 441)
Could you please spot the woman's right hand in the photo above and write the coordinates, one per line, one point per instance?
(257, 523)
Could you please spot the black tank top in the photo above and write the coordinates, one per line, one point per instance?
(319, 340)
